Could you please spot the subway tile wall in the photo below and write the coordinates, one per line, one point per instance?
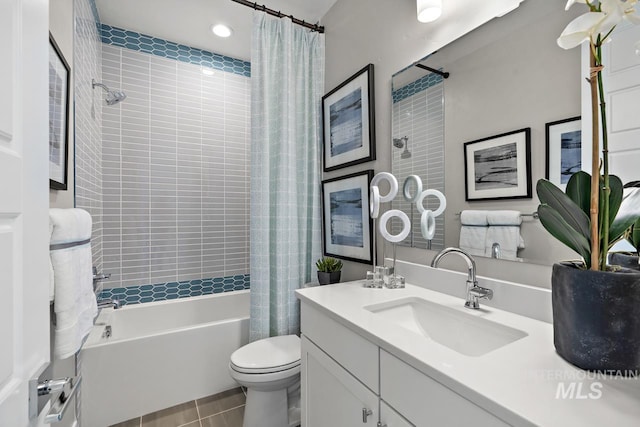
(418, 113)
(175, 171)
(88, 119)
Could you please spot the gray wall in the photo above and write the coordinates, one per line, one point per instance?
(176, 171)
(388, 35)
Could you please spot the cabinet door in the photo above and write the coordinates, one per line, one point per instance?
(331, 396)
(390, 418)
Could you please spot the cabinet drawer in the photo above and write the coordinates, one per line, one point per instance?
(424, 401)
(354, 353)
(390, 418)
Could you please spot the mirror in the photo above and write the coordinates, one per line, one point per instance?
(507, 75)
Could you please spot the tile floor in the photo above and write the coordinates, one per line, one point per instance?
(224, 409)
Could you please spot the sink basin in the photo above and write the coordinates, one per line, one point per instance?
(462, 332)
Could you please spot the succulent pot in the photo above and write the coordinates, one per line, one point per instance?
(328, 278)
(595, 317)
(624, 259)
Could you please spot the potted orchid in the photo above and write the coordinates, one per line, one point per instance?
(595, 305)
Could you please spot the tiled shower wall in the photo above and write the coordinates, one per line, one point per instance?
(175, 172)
(88, 119)
(418, 114)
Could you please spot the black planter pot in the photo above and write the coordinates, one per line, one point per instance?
(624, 259)
(596, 325)
(329, 278)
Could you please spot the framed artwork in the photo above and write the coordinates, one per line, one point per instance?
(59, 81)
(348, 122)
(564, 150)
(346, 223)
(498, 167)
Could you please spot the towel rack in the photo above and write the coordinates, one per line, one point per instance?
(534, 215)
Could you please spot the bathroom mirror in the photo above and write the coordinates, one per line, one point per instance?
(507, 75)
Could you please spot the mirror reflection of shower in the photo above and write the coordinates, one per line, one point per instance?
(113, 96)
(402, 143)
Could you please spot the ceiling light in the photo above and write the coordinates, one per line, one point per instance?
(221, 30)
(207, 71)
(429, 10)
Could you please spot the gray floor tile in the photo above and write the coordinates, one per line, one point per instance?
(220, 402)
(172, 417)
(135, 422)
(231, 418)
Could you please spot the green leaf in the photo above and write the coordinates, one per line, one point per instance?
(572, 214)
(555, 224)
(579, 190)
(615, 198)
(628, 214)
(634, 236)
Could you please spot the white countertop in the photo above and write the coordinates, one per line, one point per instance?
(518, 383)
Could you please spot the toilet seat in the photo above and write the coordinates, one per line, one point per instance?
(269, 355)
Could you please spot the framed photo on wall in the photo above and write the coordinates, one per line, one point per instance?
(347, 225)
(59, 81)
(349, 122)
(498, 167)
(564, 150)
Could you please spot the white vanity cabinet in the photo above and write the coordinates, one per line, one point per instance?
(348, 381)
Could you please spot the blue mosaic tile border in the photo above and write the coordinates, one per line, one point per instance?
(166, 49)
(423, 83)
(175, 290)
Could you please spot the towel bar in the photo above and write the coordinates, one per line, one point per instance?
(534, 215)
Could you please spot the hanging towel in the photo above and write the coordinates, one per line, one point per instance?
(504, 229)
(473, 232)
(72, 288)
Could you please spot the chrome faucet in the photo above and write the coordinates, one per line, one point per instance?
(495, 250)
(474, 292)
(104, 303)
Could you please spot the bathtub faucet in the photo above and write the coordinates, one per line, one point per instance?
(104, 303)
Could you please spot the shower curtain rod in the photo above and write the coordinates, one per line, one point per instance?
(256, 6)
(433, 70)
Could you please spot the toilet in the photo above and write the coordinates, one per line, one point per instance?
(270, 370)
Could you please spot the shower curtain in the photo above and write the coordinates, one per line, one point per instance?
(287, 84)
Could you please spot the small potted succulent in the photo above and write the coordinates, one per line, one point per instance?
(329, 270)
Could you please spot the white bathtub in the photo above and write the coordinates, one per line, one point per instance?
(160, 354)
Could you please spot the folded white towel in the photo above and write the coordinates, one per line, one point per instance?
(473, 238)
(74, 301)
(504, 218)
(509, 239)
(471, 217)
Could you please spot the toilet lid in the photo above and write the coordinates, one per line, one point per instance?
(268, 355)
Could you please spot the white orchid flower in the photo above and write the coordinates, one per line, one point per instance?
(591, 24)
(572, 2)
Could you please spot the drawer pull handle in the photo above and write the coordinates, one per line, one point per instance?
(365, 414)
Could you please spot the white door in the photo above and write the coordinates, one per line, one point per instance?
(24, 278)
(621, 76)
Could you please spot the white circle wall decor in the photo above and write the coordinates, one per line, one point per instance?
(428, 224)
(436, 193)
(406, 226)
(374, 202)
(393, 185)
(406, 190)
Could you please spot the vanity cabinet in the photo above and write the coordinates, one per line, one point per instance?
(349, 381)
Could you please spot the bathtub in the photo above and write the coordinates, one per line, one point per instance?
(160, 354)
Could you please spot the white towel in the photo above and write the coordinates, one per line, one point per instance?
(74, 301)
(473, 232)
(504, 229)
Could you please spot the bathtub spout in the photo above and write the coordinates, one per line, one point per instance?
(103, 303)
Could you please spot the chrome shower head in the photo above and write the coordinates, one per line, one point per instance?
(399, 142)
(113, 96)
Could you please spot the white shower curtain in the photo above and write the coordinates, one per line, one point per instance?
(287, 84)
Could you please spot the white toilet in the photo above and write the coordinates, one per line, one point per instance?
(270, 370)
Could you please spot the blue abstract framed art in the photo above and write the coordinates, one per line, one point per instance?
(347, 226)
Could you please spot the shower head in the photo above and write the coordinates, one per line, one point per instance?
(113, 96)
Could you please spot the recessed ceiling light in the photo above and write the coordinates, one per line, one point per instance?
(221, 30)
